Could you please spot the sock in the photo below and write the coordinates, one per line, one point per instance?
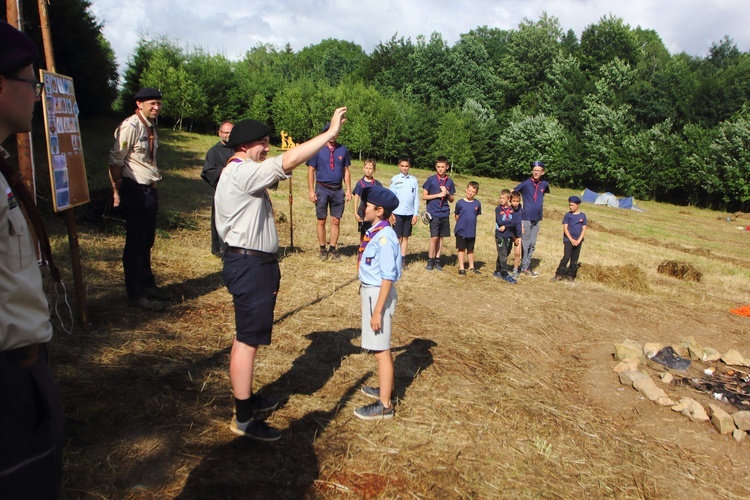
(244, 409)
(331, 249)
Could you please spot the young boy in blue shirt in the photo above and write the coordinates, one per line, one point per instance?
(574, 229)
(438, 191)
(406, 215)
(467, 210)
(515, 202)
(366, 181)
(379, 267)
(507, 229)
(533, 190)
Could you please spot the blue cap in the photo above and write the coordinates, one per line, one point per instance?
(574, 199)
(381, 197)
(538, 164)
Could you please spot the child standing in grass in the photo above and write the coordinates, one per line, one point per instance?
(507, 229)
(515, 202)
(467, 210)
(379, 267)
(574, 229)
(366, 181)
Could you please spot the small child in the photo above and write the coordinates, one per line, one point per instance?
(515, 202)
(359, 206)
(467, 210)
(438, 191)
(574, 229)
(507, 229)
(379, 267)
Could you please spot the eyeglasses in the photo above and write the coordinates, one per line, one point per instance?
(38, 86)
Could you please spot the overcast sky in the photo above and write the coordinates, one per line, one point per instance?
(233, 27)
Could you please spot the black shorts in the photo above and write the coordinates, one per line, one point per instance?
(254, 283)
(329, 200)
(363, 227)
(440, 226)
(403, 225)
(465, 243)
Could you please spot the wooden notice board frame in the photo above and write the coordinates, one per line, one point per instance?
(67, 170)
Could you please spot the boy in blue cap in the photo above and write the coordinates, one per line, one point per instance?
(379, 267)
(574, 229)
(533, 190)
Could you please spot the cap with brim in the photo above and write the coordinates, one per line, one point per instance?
(381, 197)
(147, 94)
(537, 164)
(16, 49)
(574, 199)
(247, 131)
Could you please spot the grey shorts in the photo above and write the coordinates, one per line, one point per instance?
(377, 341)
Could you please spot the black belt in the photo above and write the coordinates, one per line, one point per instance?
(24, 356)
(334, 187)
(246, 251)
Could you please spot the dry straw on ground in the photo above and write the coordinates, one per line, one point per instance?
(680, 270)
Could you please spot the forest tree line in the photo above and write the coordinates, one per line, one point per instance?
(609, 110)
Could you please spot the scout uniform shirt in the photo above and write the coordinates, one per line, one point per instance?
(131, 152)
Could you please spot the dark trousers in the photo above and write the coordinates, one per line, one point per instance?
(217, 246)
(504, 248)
(31, 423)
(140, 205)
(570, 254)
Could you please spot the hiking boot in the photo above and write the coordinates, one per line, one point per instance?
(323, 254)
(262, 404)
(334, 256)
(475, 270)
(255, 429)
(438, 266)
(157, 293)
(461, 272)
(508, 279)
(375, 411)
(430, 264)
(148, 304)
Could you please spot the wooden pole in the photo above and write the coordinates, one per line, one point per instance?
(70, 216)
(291, 216)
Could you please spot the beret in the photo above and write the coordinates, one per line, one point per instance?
(247, 131)
(538, 164)
(574, 199)
(16, 49)
(381, 197)
(147, 94)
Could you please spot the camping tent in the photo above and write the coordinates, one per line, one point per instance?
(609, 199)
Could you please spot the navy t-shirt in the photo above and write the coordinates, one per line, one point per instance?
(322, 164)
(439, 207)
(533, 198)
(506, 216)
(467, 212)
(575, 224)
(357, 191)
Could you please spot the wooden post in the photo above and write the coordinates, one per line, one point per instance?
(291, 216)
(70, 216)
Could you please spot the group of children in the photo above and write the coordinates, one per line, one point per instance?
(387, 215)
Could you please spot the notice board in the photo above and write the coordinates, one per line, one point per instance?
(64, 149)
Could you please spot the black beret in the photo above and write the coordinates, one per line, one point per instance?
(538, 164)
(247, 131)
(16, 49)
(147, 94)
(574, 199)
(381, 197)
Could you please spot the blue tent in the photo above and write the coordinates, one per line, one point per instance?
(589, 196)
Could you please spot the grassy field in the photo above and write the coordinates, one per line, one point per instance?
(503, 391)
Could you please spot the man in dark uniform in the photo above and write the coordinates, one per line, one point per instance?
(31, 415)
(134, 174)
(216, 159)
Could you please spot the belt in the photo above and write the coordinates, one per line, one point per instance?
(24, 356)
(246, 251)
(152, 185)
(334, 187)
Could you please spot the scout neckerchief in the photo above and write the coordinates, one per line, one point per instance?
(151, 135)
(332, 149)
(536, 186)
(368, 237)
(364, 183)
(506, 212)
(441, 183)
(15, 181)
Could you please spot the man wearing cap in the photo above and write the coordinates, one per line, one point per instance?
(31, 415)
(532, 190)
(216, 159)
(134, 174)
(328, 169)
(244, 221)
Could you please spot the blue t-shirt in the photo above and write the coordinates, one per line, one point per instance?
(381, 258)
(467, 212)
(406, 188)
(510, 219)
(439, 207)
(575, 224)
(322, 164)
(357, 191)
(533, 198)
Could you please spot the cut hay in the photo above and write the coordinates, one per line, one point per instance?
(680, 270)
(627, 277)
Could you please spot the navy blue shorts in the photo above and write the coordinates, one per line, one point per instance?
(440, 226)
(254, 284)
(328, 198)
(403, 225)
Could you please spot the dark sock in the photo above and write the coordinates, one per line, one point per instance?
(244, 409)
(331, 248)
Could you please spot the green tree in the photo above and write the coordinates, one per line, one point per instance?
(453, 142)
(610, 38)
(332, 60)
